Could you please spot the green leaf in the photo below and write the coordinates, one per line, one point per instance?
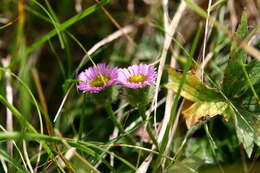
(199, 148)
(242, 30)
(201, 111)
(245, 131)
(234, 76)
(253, 69)
(193, 89)
(256, 126)
(187, 165)
(251, 88)
(254, 123)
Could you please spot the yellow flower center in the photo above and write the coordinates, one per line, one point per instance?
(137, 78)
(99, 80)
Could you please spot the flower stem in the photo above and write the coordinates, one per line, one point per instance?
(141, 109)
(113, 117)
(81, 126)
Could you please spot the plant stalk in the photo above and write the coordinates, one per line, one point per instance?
(141, 109)
(113, 117)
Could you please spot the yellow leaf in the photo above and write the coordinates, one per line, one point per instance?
(207, 102)
(202, 111)
(193, 89)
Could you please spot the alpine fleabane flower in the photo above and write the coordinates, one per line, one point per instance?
(96, 78)
(137, 76)
(138, 81)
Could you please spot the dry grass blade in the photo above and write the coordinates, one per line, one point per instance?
(125, 30)
(27, 159)
(169, 32)
(233, 15)
(205, 39)
(9, 97)
(168, 108)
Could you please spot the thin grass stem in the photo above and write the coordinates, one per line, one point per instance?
(113, 117)
(141, 109)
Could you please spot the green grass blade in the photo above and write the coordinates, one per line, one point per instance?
(12, 161)
(31, 95)
(52, 19)
(72, 142)
(65, 25)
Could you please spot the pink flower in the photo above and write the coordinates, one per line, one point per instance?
(137, 76)
(96, 78)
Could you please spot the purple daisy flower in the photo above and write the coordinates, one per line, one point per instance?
(137, 76)
(97, 78)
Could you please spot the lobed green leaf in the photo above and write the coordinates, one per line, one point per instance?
(233, 75)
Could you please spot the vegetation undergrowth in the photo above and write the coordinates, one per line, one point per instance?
(130, 86)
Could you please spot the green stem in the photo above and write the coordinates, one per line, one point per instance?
(149, 130)
(113, 117)
(81, 126)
